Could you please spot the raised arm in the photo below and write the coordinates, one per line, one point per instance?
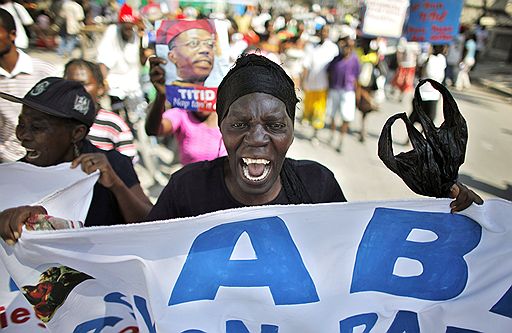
(154, 124)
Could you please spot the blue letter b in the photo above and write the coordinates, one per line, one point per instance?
(445, 271)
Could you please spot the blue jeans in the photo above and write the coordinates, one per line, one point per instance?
(67, 45)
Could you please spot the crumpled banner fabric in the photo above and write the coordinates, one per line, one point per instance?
(64, 192)
(391, 266)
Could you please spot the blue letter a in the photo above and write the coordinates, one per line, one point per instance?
(278, 265)
(385, 240)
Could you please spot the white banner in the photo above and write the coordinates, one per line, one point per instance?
(403, 266)
(64, 192)
(384, 17)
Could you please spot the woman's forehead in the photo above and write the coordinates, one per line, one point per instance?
(259, 99)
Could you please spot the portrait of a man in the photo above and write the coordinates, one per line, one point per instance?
(197, 59)
(191, 47)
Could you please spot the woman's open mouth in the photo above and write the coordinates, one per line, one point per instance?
(32, 154)
(255, 169)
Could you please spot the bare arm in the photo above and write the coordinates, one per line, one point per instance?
(133, 203)
(154, 124)
(13, 219)
(104, 72)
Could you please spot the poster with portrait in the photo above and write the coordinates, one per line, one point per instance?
(197, 58)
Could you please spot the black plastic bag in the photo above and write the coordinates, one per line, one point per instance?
(432, 166)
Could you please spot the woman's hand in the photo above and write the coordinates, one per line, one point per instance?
(157, 73)
(98, 161)
(463, 196)
(13, 219)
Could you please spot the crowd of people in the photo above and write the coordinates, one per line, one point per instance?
(233, 157)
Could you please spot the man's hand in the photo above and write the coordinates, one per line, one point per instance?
(13, 219)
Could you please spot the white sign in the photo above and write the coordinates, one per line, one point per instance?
(403, 266)
(384, 17)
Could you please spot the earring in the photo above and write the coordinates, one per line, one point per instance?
(76, 151)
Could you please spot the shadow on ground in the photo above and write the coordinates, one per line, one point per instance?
(479, 185)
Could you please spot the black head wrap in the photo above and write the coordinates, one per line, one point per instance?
(255, 73)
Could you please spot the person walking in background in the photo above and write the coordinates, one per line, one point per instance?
(481, 36)
(407, 55)
(73, 14)
(367, 81)
(109, 131)
(343, 72)
(314, 79)
(434, 69)
(467, 63)
(453, 58)
(22, 19)
(18, 73)
(120, 58)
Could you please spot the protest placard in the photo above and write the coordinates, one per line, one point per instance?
(384, 18)
(197, 58)
(434, 21)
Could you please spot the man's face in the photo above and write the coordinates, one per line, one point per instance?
(127, 31)
(324, 33)
(192, 52)
(47, 139)
(6, 40)
(84, 75)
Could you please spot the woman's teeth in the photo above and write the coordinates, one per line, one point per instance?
(255, 160)
(255, 169)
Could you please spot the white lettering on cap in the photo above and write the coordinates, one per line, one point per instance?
(39, 88)
(81, 104)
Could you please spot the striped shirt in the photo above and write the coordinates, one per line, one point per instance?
(110, 131)
(27, 72)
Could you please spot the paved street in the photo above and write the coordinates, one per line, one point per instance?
(364, 177)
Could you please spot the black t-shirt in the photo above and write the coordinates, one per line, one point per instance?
(199, 188)
(104, 209)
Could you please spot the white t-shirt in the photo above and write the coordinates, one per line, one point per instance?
(21, 18)
(410, 52)
(434, 69)
(74, 15)
(122, 61)
(316, 60)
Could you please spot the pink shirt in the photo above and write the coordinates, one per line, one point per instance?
(197, 142)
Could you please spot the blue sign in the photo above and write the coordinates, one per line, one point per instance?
(436, 22)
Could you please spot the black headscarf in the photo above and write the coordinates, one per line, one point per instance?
(254, 73)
